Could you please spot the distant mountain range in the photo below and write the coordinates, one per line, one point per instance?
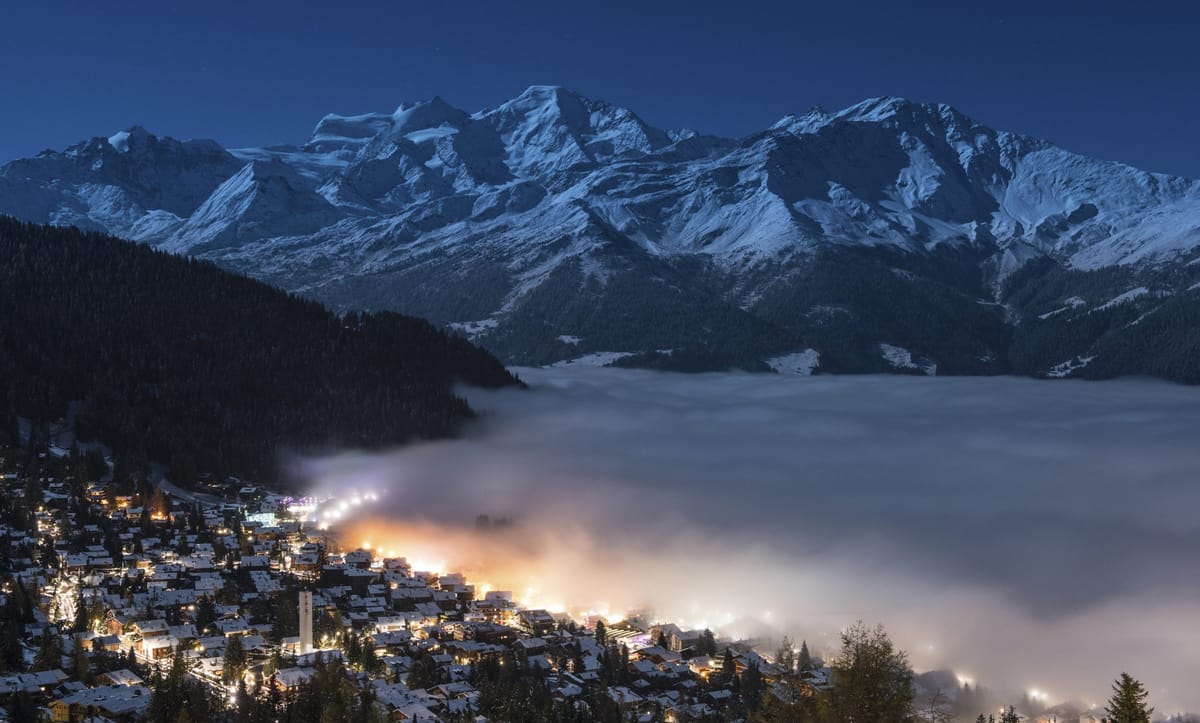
(889, 236)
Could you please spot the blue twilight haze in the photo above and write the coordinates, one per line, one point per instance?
(1113, 80)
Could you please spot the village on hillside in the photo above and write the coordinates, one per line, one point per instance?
(122, 602)
(112, 587)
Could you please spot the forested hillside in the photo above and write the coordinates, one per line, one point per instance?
(178, 362)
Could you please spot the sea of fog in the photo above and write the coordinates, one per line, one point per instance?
(1026, 534)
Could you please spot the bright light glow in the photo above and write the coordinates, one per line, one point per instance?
(1039, 695)
(546, 572)
(656, 483)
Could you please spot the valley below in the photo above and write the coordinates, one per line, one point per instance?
(1025, 534)
(641, 363)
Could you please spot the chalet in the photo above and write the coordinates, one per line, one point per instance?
(254, 562)
(31, 682)
(625, 698)
(360, 559)
(107, 643)
(531, 646)
(149, 628)
(117, 622)
(235, 626)
(114, 702)
(157, 648)
(289, 678)
(535, 622)
(358, 579)
(118, 677)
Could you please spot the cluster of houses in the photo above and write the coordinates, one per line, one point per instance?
(148, 581)
(131, 583)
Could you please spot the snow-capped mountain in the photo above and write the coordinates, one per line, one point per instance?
(889, 236)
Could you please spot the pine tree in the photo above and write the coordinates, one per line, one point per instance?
(752, 687)
(206, 614)
(577, 664)
(22, 602)
(371, 661)
(244, 703)
(12, 655)
(728, 666)
(804, 659)
(81, 615)
(785, 657)
(423, 673)
(1128, 701)
(234, 666)
(80, 662)
(872, 681)
(49, 654)
(22, 708)
(158, 504)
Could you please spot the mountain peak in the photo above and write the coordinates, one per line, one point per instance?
(806, 123)
(892, 108)
(134, 135)
(346, 133)
(872, 110)
(548, 129)
(880, 108)
(541, 99)
(427, 114)
(547, 92)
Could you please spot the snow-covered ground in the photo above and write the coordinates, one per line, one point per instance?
(1065, 369)
(1072, 303)
(901, 358)
(801, 362)
(595, 359)
(1124, 298)
(471, 328)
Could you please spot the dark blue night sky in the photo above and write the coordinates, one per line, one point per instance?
(1113, 80)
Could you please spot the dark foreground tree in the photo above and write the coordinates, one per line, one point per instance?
(872, 680)
(804, 659)
(936, 709)
(178, 696)
(752, 687)
(1128, 701)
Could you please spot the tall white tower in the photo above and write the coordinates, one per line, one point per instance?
(305, 622)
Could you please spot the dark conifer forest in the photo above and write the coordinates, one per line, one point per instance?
(174, 361)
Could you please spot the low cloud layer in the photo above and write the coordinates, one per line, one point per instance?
(1026, 534)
